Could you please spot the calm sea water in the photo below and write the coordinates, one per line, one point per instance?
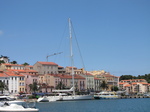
(118, 105)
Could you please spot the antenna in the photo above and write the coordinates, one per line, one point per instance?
(52, 55)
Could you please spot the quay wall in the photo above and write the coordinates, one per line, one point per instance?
(123, 97)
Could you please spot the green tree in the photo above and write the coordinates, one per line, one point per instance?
(104, 85)
(13, 62)
(60, 86)
(3, 87)
(2, 61)
(127, 77)
(114, 88)
(25, 64)
(33, 87)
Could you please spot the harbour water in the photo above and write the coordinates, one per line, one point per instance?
(117, 105)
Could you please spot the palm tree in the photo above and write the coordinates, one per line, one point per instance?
(3, 87)
(104, 85)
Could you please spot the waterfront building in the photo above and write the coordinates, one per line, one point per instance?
(134, 80)
(97, 82)
(30, 78)
(46, 67)
(20, 76)
(75, 70)
(7, 66)
(134, 86)
(5, 79)
(16, 82)
(61, 70)
(90, 82)
(111, 80)
(53, 80)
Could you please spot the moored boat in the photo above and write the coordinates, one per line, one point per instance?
(43, 99)
(9, 100)
(16, 108)
(73, 96)
(106, 95)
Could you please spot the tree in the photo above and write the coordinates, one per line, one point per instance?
(126, 77)
(60, 86)
(25, 64)
(104, 85)
(2, 61)
(114, 88)
(33, 87)
(13, 62)
(3, 87)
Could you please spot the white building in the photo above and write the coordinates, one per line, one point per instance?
(90, 83)
(4, 58)
(14, 82)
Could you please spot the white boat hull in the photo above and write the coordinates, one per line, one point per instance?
(17, 108)
(106, 96)
(77, 97)
(65, 98)
(43, 99)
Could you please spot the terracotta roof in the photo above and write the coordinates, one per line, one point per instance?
(15, 70)
(132, 79)
(60, 67)
(134, 83)
(22, 71)
(12, 74)
(47, 63)
(128, 85)
(67, 76)
(12, 64)
(143, 83)
(122, 82)
(31, 71)
(3, 75)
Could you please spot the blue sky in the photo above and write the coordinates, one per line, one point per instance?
(113, 35)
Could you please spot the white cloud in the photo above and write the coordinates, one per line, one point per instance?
(1, 32)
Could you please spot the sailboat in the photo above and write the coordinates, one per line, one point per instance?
(74, 96)
(62, 96)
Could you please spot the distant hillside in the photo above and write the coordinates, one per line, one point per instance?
(126, 77)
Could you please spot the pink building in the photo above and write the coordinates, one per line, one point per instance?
(52, 80)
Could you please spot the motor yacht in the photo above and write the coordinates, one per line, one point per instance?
(106, 95)
(16, 108)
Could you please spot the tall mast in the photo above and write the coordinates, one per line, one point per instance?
(71, 55)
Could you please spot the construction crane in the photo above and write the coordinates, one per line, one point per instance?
(52, 55)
